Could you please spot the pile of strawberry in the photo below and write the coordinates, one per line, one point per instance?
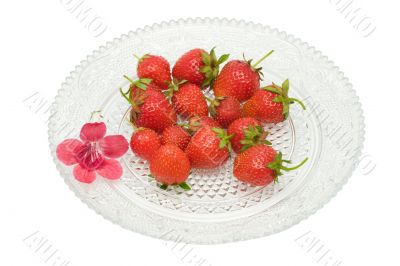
(212, 127)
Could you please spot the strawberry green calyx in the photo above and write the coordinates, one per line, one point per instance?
(277, 165)
(164, 186)
(283, 97)
(173, 87)
(255, 67)
(211, 67)
(140, 83)
(182, 185)
(214, 103)
(254, 135)
(135, 100)
(225, 140)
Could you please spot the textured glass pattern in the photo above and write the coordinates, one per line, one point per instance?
(218, 208)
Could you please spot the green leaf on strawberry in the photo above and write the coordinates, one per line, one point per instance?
(211, 67)
(253, 135)
(224, 138)
(184, 186)
(283, 96)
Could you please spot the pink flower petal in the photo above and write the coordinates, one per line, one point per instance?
(93, 131)
(66, 151)
(110, 169)
(114, 146)
(83, 175)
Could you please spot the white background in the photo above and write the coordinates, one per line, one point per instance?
(41, 43)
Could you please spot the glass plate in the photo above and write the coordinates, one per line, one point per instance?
(218, 208)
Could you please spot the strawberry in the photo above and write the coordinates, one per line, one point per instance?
(187, 99)
(247, 132)
(198, 67)
(144, 143)
(150, 108)
(156, 68)
(270, 104)
(239, 79)
(260, 165)
(225, 110)
(170, 166)
(209, 148)
(197, 122)
(176, 135)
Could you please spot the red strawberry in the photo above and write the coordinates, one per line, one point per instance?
(247, 132)
(150, 108)
(260, 165)
(156, 68)
(197, 122)
(170, 166)
(198, 67)
(188, 99)
(175, 135)
(145, 142)
(270, 104)
(209, 148)
(239, 79)
(225, 110)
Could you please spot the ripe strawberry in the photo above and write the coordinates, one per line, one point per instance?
(239, 79)
(209, 148)
(197, 122)
(176, 135)
(270, 104)
(150, 108)
(156, 68)
(247, 132)
(144, 143)
(170, 166)
(225, 110)
(198, 67)
(188, 99)
(260, 165)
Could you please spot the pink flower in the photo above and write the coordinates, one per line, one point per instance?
(93, 153)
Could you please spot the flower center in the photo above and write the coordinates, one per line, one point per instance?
(89, 156)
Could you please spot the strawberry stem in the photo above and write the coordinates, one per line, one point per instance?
(124, 95)
(129, 79)
(299, 102)
(262, 59)
(287, 169)
(137, 57)
(277, 165)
